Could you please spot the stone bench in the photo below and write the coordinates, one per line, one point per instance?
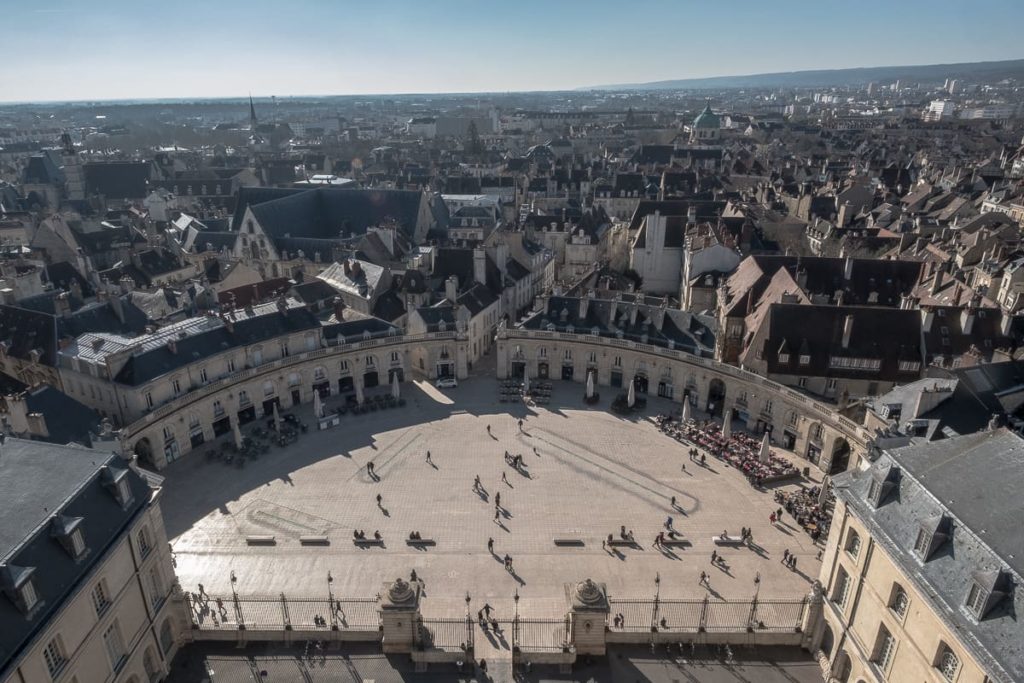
(314, 540)
(728, 540)
(420, 541)
(362, 542)
(568, 541)
(622, 543)
(261, 540)
(677, 542)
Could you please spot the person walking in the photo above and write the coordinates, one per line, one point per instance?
(429, 461)
(380, 499)
(520, 424)
(674, 501)
(668, 522)
(714, 557)
(476, 483)
(497, 515)
(792, 562)
(703, 579)
(497, 499)
(771, 518)
(483, 666)
(504, 478)
(785, 556)
(487, 609)
(490, 545)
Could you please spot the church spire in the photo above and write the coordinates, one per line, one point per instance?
(252, 114)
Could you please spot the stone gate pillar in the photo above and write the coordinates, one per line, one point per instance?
(813, 625)
(588, 615)
(399, 615)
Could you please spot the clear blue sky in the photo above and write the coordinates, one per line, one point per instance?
(81, 49)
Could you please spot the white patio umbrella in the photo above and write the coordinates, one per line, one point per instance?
(590, 385)
(526, 383)
(823, 494)
(318, 405)
(766, 449)
(727, 424)
(359, 391)
(277, 418)
(395, 391)
(238, 433)
(631, 396)
(686, 409)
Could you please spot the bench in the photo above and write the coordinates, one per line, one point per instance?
(622, 543)
(261, 540)
(362, 542)
(676, 542)
(420, 541)
(728, 540)
(568, 541)
(314, 540)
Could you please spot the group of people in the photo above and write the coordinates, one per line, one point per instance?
(739, 450)
(415, 536)
(810, 512)
(360, 535)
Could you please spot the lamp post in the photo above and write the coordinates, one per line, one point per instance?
(330, 602)
(657, 602)
(234, 597)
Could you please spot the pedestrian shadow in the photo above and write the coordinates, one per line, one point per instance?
(431, 463)
(502, 525)
(715, 594)
(516, 576)
(385, 511)
(668, 553)
(484, 496)
(782, 527)
(757, 549)
(724, 568)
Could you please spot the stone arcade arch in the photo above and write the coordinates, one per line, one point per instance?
(144, 449)
(840, 456)
(716, 396)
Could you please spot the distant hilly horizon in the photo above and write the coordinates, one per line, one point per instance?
(858, 76)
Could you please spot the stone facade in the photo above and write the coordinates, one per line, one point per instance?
(809, 428)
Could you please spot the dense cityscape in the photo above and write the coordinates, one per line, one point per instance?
(710, 381)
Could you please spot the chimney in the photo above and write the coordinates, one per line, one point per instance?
(62, 304)
(936, 283)
(172, 346)
(339, 308)
(1005, 323)
(451, 288)
(117, 306)
(584, 305)
(801, 278)
(847, 330)
(691, 215)
(967, 319)
(927, 318)
(658, 314)
(480, 266)
(848, 269)
(632, 314)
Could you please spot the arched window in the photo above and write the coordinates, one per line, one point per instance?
(853, 543)
(166, 636)
(947, 663)
(319, 373)
(898, 600)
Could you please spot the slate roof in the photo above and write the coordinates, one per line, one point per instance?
(685, 331)
(976, 481)
(251, 196)
(459, 262)
(706, 210)
(37, 482)
(327, 213)
(358, 328)
(886, 334)
(203, 337)
(117, 179)
(477, 298)
(67, 420)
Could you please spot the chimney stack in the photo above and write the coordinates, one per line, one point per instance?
(480, 266)
(339, 308)
(847, 330)
(848, 268)
(451, 288)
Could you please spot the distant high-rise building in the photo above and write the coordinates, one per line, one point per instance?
(871, 89)
(952, 86)
(939, 110)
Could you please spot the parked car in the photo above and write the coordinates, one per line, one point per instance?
(446, 383)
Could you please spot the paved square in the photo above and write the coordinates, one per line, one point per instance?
(593, 472)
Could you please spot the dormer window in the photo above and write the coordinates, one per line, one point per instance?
(783, 357)
(116, 480)
(976, 598)
(805, 360)
(68, 532)
(932, 533)
(987, 589)
(17, 584)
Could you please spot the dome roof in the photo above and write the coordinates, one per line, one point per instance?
(707, 118)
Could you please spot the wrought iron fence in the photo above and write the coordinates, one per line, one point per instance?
(282, 613)
(695, 616)
(542, 635)
(444, 634)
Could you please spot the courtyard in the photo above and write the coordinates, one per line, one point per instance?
(587, 473)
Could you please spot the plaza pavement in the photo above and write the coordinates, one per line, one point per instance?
(595, 472)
